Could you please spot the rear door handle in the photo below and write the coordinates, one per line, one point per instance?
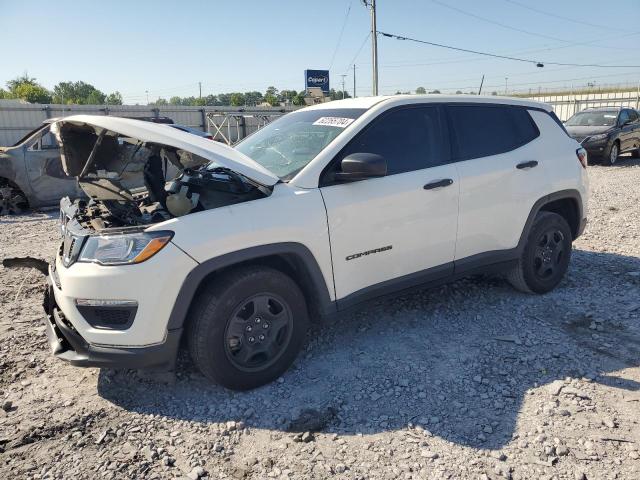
(438, 183)
(529, 164)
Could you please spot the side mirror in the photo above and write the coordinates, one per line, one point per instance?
(360, 166)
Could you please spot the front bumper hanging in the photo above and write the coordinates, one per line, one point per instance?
(68, 345)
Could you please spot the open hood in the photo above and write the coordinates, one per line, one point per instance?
(78, 134)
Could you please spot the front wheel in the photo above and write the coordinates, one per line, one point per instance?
(545, 257)
(12, 200)
(612, 156)
(247, 327)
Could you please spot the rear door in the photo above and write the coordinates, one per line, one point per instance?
(387, 232)
(502, 173)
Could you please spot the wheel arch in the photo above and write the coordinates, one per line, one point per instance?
(566, 203)
(293, 259)
(21, 189)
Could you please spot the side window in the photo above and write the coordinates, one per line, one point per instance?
(633, 115)
(624, 117)
(484, 130)
(409, 139)
(44, 140)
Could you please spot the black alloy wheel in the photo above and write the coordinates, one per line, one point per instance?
(258, 332)
(549, 253)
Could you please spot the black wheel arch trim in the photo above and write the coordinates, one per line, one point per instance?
(195, 278)
(570, 194)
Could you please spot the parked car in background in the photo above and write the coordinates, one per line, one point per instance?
(193, 131)
(31, 173)
(606, 132)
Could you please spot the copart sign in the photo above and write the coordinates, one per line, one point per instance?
(317, 78)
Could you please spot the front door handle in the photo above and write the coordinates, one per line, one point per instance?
(529, 164)
(438, 183)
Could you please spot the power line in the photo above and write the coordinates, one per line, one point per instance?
(355, 57)
(538, 63)
(568, 19)
(509, 27)
(344, 24)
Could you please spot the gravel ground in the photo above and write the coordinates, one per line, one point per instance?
(472, 381)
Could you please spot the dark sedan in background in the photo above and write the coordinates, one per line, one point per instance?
(606, 132)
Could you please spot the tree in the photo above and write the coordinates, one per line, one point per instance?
(26, 88)
(32, 93)
(271, 91)
(80, 93)
(252, 98)
(458, 92)
(272, 100)
(25, 79)
(237, 99)
(4, 94)
(435, 91)
(421, 90)
(116, 99)
(299, 98)
(160, 102)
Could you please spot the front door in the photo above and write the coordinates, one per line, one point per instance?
(391, 232)
(44, 169)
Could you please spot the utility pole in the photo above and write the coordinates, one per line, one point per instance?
(481, 83)
(200, 88)
(354, 81)
(147, 92)
(506, 80)
(374, 47)
(343, 75)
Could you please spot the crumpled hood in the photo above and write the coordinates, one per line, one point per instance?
(77, 135)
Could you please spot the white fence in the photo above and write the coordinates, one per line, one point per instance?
(566, 105)
(17, 119)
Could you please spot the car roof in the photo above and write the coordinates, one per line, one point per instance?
(369, 102)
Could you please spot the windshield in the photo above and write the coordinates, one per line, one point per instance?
(288, 144)
(605, 118)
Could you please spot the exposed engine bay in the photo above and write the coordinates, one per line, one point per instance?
(130, 182)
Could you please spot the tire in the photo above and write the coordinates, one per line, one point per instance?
(611, 157)
(246, 328)
(12, 200)
(635, 153)
(545, 257)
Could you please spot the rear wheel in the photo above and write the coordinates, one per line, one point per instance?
(635, 153)
(247, 327)
(12, 200)
(545, 257)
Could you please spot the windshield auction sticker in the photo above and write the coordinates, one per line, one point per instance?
(339, 122)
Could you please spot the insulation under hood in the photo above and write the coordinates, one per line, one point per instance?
(120, 154)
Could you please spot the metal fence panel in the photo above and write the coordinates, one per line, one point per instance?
(17, 119)
(567, 105)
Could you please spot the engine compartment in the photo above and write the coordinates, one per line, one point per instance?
(194, 190)
(131, 181)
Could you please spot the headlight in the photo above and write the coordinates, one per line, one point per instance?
(123, 249)
(595, 138)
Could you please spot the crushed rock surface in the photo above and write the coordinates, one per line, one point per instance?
(468, 381)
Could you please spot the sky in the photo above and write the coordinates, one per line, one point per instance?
(166, 47)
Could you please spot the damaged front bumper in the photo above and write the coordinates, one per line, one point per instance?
(68, 345)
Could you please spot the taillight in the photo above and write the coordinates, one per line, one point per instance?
(582, 157)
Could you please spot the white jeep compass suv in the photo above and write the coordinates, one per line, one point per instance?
(233, 251)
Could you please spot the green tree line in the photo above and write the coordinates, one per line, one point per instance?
(81, 93)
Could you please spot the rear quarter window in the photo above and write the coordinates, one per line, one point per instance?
(484, 130)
